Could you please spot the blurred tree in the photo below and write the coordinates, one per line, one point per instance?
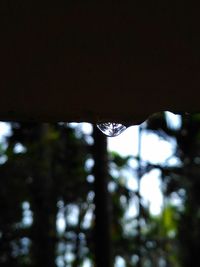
(46, 167)
(47, 172)
(182, 181)
(49, 168)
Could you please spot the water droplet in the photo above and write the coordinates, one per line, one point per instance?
(111, 129)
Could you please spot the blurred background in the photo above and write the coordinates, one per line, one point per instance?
(69, 196)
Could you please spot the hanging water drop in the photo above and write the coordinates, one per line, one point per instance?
(111, 129)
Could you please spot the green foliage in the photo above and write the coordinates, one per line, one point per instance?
(118, 160)
(183, 180)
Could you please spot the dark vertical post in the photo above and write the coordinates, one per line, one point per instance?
(103, 257)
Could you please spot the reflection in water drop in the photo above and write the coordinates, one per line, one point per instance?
(111, 129)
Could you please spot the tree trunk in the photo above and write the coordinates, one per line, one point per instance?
(102, 237)
(43, 205)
